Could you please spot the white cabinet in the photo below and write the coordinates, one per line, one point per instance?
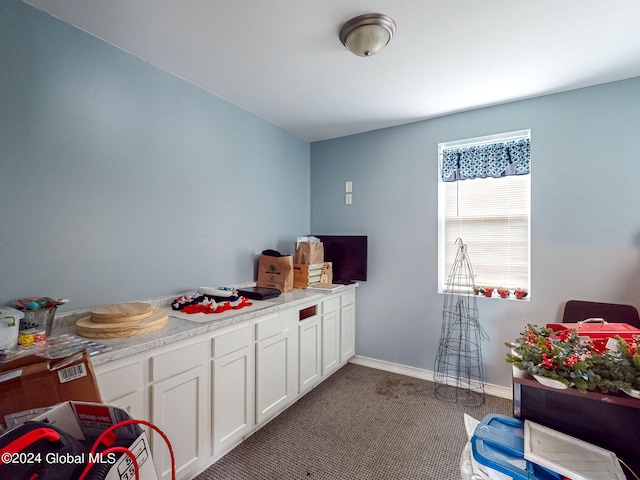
(310, 348)
(347, 326)
(209, 392)
(330, 335)
(232, 386)
(122, 384)
(276, 363)
(180, 406)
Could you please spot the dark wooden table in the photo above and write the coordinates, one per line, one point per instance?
(609, 420)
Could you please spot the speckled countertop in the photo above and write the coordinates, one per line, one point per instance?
(180, 328)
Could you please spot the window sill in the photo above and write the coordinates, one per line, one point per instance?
(460, 290)
(510, 297)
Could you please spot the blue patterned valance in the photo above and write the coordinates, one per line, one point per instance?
(488, 160)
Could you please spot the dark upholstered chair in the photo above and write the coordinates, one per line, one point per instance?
(578, 310)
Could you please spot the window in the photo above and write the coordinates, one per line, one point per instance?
(484, 199)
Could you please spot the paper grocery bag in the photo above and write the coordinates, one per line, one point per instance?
(276, 272)
(309, 253)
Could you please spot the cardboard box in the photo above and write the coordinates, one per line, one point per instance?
(86, 421)
(31, 382)
(305, 275)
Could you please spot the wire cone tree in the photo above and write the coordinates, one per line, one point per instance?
(459, 374)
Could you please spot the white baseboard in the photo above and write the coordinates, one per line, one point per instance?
(490, 389)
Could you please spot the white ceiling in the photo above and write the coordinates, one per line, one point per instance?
(283, 61)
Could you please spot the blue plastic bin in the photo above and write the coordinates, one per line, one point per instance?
(498, 443)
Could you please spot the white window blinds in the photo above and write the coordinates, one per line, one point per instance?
(492, 216)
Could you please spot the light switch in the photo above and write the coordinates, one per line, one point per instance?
(348, 187)
(347, 199)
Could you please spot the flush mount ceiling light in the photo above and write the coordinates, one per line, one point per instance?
(366, 35)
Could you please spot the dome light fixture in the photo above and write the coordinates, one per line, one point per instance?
(366, 35)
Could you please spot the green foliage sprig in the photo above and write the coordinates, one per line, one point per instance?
(559, 356)
(573, 361)
(620, 365)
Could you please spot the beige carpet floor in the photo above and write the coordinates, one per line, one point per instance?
(359, 424)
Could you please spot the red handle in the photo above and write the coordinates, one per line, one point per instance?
(107, 437)
(19, 444)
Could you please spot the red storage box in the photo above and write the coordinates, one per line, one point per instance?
(598, 330)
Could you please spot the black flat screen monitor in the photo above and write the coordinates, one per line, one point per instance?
(348, 255)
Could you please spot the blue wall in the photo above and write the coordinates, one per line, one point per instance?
(119, 181)
(585, 229)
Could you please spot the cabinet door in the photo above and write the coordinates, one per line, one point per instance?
(330, 341)
(310, 355)
(232, 397)
(276, 383)
(179, 408)
(347, 333)
(122, 384)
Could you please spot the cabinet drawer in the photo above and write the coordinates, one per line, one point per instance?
(271, 325)
(331, 305)
(179, 360)
(348, 299)
(308, 320)
(120, 380)
(230, 342)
